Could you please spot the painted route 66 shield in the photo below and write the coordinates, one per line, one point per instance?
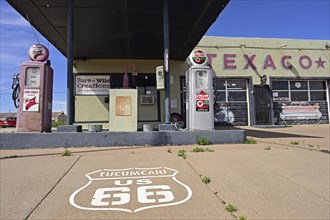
(131, 190)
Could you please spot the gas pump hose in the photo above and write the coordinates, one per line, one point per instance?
(15, 87)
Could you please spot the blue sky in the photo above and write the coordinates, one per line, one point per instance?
(296, 19)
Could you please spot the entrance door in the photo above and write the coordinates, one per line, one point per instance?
(183, 98)
(262, 104)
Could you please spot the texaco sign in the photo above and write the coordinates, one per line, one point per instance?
(131, 190)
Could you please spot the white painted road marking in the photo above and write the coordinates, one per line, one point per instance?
(113, 190)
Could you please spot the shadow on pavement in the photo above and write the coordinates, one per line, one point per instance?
(265, 133)
(270, 134)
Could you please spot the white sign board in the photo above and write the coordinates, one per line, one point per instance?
(92, 85)
(31, 100)
(130, 190)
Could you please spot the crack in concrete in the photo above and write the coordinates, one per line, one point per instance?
(28, 216)
(215, 193)
(295, 146)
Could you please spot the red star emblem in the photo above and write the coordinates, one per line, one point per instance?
(320, 63)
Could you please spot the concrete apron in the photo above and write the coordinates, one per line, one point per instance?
(103, 139)
(160, 194)
(26, 181)
(277, 183)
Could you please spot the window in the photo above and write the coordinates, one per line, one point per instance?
(299, 96)
(317, 85)
(280, 85)
(220, 84)
(298, 85)
(140, 80)
(236, 96)
(221, 97)
(316, 96)
(149, 90)
(281, 95)
(231, 90)
(299, 90)
(236, 84)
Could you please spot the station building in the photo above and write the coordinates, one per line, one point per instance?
(256, 82)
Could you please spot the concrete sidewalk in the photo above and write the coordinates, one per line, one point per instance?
(311, 136)
(272, 179)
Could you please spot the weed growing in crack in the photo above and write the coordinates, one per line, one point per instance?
(182, 153)
(197, 149)
(66, 152)
(209, 150)
(200, 149)
(203, 141)
(250, 141)
(231, 208)
(206, 180)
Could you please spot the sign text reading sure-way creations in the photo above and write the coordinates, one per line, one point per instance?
(92, 85)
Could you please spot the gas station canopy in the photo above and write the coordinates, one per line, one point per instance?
(122, 29)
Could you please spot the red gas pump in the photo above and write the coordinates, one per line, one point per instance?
(34, 112)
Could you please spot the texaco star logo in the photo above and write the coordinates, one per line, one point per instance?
(131, 190)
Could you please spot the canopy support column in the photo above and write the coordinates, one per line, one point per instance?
(70, 97)
(167, 63)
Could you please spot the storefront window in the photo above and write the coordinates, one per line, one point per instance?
(318, 96)
(298, 85)
(140, 80)
(220, 84)
(149, 90)
(299, 96)
(237, 84)
(307, 90)
(281, 95)
(221, 97)
(236, 96)
(232, 90)
(317, 85)
(280, 85)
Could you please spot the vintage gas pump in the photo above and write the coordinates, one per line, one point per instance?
(34, 113)
(199, 105)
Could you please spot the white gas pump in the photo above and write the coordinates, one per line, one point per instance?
(199, 95)
(34, 113)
